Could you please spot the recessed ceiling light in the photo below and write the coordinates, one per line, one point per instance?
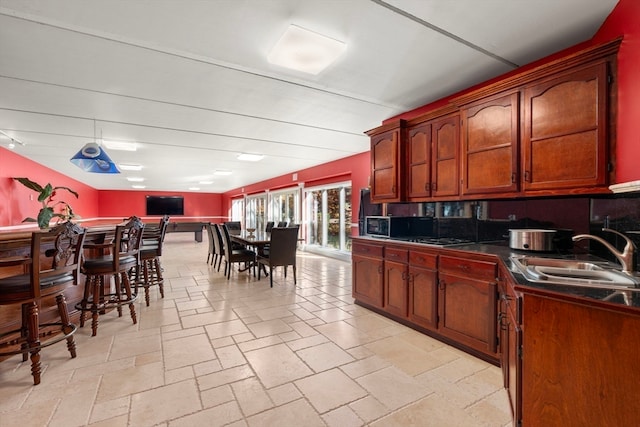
(222, 172)
(135, 179)
(120, 145)
(304, 50)
(205, 182)
(139, 186)
(250, 157)
(130, 167)
(194, 188)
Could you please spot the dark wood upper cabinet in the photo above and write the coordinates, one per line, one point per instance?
(387, 148)
(445, 174)
(419, 161)
(490, 143)
(565, 131)
(547, 131)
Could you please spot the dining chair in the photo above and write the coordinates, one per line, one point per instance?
(149, 271)
(233, 256)
(212, 255)
(52, 266)
(234, 227)
(218, 243)
(282, 224)
(269, 226)
(120, 257)
(282, 251)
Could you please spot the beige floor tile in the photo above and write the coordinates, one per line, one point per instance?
(131, 346)
(403, 355)
(369, 408)
(211, 318)
(306, 342)
(297, 413)
(217, 396)
(110, 408)
(343, 334)
(284, 394)
(220, 415)
(268, 328)
(187, 351)
(164, 403)
(365, 366)
(393, 387)
(251, 396)
(342, 417)
(225, 329)
(128, 381)
(432, 411)
(324, 356)
(12, 416)
(277, 365)
(230, 356)
(226, 376)
(343, 390)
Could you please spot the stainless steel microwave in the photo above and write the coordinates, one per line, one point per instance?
(397, 226)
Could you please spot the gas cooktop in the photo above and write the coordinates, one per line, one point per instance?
(439, 241)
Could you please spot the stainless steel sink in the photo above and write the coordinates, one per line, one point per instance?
(573, 272)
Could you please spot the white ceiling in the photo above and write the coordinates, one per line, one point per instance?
(189, 82)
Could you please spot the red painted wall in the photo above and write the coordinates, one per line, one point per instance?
(355, 168)
(623, 21)
(125, 203)
(16, 198)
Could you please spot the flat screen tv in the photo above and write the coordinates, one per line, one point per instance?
(165, 205)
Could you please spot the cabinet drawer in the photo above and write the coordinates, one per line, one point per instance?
(422, 259)
(481, 270)
(398, 255)
(367, 250)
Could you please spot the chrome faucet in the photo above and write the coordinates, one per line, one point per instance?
(625, 257)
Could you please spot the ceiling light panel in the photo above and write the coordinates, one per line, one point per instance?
(129, 167)
(135, 179)
(222, 172)
(304, 50)
(120, 145)
(250, 157)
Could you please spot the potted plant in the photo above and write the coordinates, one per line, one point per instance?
(50, 208)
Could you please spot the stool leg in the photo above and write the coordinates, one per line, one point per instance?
(67, 328)
(146, 281)
(88, 283)
(127, 288)
(159, 277)
(34, 341)
(24, 333)
(97, 284)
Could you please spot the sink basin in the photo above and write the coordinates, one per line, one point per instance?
(573, 272)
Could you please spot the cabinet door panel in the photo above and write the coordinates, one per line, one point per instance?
(396, 288)
(446, 158)
(419, 147)
(423, 297)
(385, 166)
(468, 312)
(490, 145)
(565, 133)
(367, 280)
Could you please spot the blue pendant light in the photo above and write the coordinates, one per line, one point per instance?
(92, 158)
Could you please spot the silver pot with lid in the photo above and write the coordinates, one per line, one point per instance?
(532, 239)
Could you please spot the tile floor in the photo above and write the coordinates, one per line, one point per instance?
(238, 353)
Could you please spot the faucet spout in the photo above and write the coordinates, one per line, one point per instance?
(625, 257)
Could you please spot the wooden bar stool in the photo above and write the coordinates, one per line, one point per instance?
(52, 266)
(123, 256)
(150, 253)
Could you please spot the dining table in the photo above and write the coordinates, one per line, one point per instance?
(257, 240)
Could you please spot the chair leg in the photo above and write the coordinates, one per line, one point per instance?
(67, 327)
(294, 275)
(34, 341)
(271, 275)
(285, 271)
(24, 332)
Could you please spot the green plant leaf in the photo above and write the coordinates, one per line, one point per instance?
(30, 184)
(44, 217)
(68, 189)
(45, 193)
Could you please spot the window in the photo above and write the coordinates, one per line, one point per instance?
(255, 213)
(328, 213)
(237, 210)
(285, 206)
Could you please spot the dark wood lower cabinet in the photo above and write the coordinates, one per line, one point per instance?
(468, 303)
(579, 364)
(367, 269)
(423, 290)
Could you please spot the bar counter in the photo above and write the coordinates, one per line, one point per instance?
(18, 243)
